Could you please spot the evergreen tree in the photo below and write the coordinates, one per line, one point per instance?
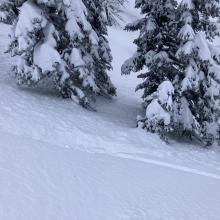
(101, 54)
(182, 76)
(61, 39)
(7, 13)
(113, 10)
(197, 101)
(156, 46)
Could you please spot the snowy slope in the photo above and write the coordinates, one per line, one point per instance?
(59, 161)
(42, 182)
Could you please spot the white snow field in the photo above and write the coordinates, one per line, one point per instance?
(61, 162)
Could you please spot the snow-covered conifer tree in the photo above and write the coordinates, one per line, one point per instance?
(57, 39)
(197, 104)
(182, 77)
(156, 46)
(113, 10)
(100, 52)
(7, 13)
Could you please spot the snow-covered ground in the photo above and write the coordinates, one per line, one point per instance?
(43, 182)
(59, 161)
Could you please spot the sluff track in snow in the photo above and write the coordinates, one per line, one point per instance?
(59, 161)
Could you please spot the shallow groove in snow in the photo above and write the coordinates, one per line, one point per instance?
(176, 167)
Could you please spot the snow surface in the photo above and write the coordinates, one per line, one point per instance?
(41, 181)
(59, 161)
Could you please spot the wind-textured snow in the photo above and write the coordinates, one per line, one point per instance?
(41, 181)
(59, 161)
